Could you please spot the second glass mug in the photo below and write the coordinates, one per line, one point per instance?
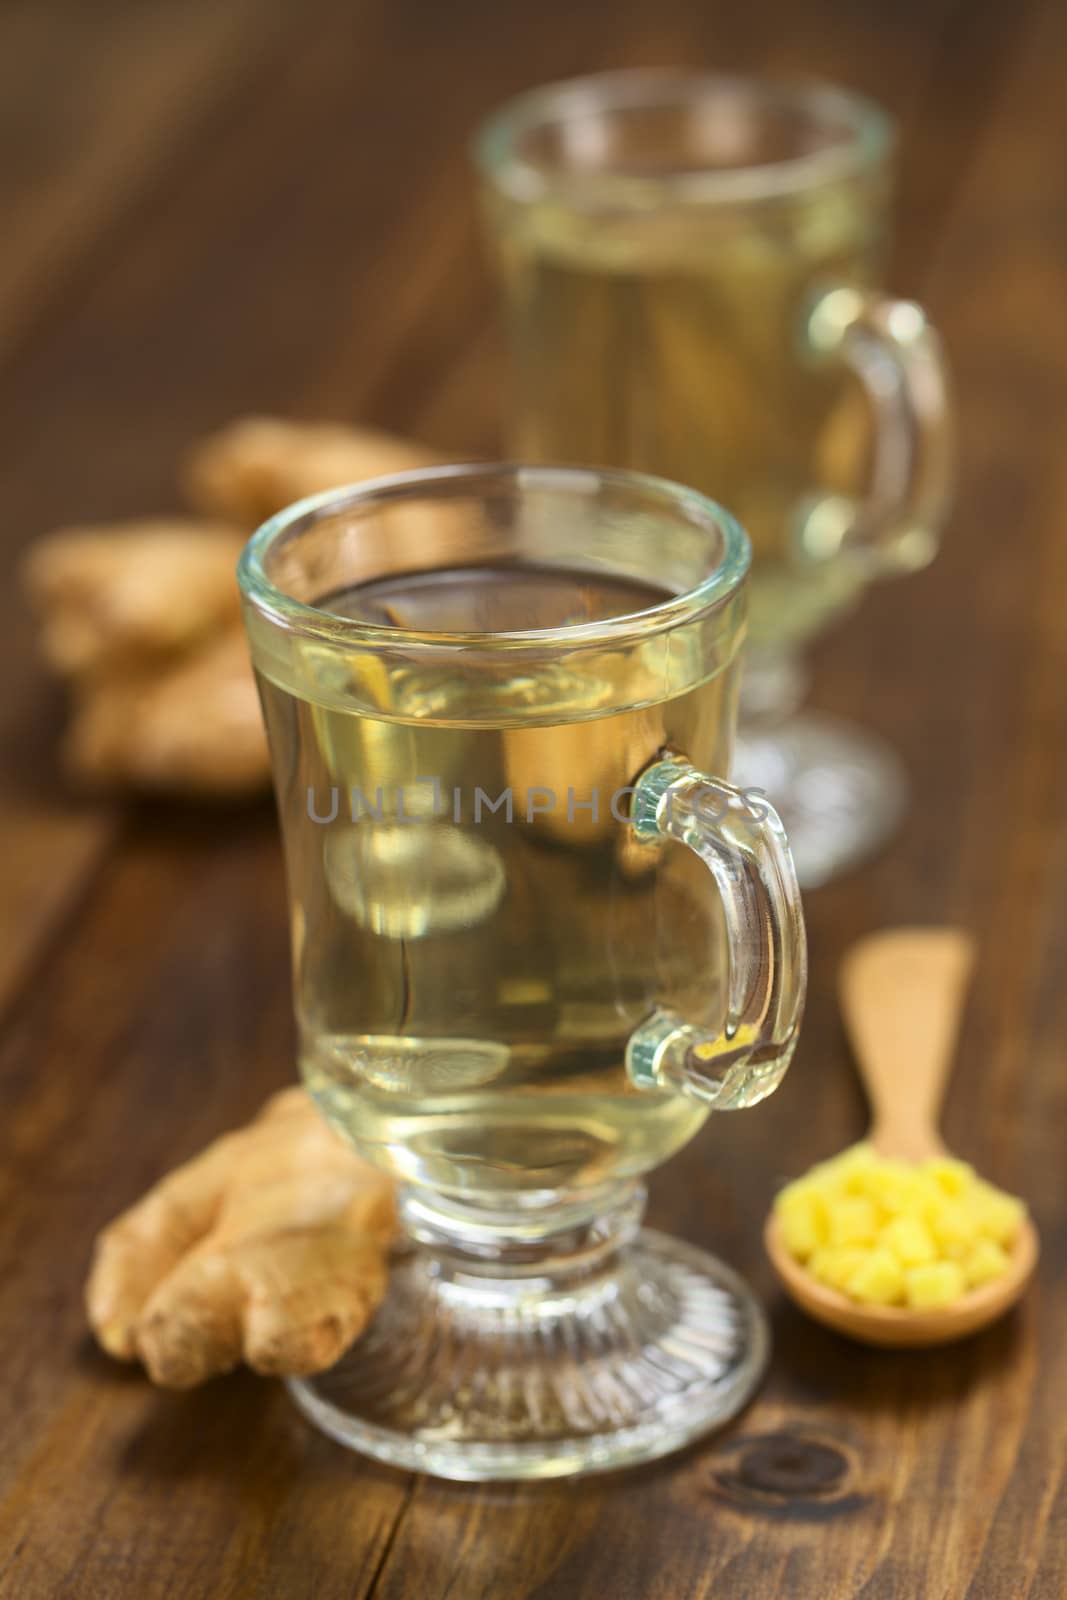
(690, 269)
(536, 938)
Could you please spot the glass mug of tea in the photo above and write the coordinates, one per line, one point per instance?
(536, 938)
(690, 270)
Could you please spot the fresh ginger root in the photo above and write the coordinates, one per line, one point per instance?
(195, 728)
(114, 599)
(270, 1247)
(143, 618)
(256, 465)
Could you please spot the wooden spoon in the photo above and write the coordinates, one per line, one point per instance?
(902, 994)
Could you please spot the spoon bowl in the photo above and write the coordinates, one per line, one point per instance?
(902, 994)
(898, 1326)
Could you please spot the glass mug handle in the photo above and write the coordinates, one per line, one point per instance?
(896, 355)
(749, 858)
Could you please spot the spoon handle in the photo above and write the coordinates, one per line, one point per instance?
(902, 995)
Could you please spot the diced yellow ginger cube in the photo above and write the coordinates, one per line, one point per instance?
(951, 1176)
(928, 1195)
(856, 1156)
(853, 1220)
(802, 1218)
(878, 1280)
(822, 1172)
(888, 1179)
(999, 1215)
(984, 1263)
(903, 1191)
(835, 1265)
(857, 1170)
(831, 1177)
(954, 1227)
(822, 1179)
(934, 1283)
(910, 1241)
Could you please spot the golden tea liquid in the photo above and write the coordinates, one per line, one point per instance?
(476, 932)
(671, 341)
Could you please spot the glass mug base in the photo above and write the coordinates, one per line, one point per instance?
(840, 792)
(602, 1346)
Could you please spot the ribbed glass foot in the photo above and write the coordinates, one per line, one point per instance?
(839, 791)
(539, 1365)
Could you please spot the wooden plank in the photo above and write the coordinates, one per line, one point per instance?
(96, 103)
(52, 850)
(100, 109)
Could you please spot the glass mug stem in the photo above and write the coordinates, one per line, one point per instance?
(896, 356)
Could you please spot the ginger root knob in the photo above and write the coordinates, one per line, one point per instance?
(270, 1248)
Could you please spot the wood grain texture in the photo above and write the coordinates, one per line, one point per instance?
(266, 205)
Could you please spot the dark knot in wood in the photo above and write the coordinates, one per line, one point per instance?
(788, 1464)
(788, 1475)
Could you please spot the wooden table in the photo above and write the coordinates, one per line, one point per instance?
(210, 208)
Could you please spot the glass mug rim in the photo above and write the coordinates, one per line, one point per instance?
(869, 139)
(470, 479)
